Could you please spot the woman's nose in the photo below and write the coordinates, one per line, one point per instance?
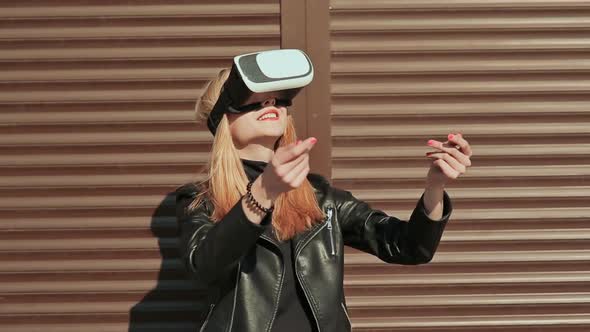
(269, 102)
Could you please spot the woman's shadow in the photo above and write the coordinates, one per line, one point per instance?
(175, 303)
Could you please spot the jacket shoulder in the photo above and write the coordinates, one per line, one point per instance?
(322, 184)
(187, 191)
(319, 182)
(186, 195)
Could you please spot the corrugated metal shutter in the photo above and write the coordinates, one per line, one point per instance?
(512, 76)
(97, 126)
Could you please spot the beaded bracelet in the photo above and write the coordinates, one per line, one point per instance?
(253, 200)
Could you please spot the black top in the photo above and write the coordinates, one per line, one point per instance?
(293, 315)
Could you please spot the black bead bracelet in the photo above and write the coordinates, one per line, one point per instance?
(253, 200)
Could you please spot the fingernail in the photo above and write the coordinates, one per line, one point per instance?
(430, 142)
(298, 141)
(313, 140)
(451, 136)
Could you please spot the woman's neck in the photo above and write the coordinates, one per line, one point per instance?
(260, 149)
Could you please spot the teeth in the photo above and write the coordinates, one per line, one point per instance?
(268, 115)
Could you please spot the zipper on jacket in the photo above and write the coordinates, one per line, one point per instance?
(208, 316)
(330, 231)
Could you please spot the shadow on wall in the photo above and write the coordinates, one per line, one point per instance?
(175, 304)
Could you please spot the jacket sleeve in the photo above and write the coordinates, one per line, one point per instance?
(208, 249)
(390, 239)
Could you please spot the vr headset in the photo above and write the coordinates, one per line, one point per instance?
(257, 77)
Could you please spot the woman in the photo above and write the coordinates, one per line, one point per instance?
(266, 237)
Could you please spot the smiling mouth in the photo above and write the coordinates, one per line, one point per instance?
(269, 116)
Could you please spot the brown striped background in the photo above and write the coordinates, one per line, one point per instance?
(97, 127)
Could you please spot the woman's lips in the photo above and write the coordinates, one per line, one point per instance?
(275, 112)
(276, 117)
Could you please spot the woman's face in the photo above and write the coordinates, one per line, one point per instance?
(247, 128)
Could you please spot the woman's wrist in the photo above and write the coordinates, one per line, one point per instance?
(253, 200)
(253, 212)
(433, 201)
(261, 194)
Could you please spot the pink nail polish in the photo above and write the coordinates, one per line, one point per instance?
(430, 142)
(451, 136)
(313, 140)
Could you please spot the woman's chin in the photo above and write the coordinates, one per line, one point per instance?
(271, 130)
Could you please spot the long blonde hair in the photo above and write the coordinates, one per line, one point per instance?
(295, 210)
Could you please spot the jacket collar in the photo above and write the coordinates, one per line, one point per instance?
(253, 168)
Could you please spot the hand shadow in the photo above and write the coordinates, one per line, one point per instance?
(175, 303)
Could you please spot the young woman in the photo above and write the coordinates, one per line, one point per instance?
(266, 237)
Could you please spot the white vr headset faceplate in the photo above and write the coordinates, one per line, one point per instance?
(271, 64)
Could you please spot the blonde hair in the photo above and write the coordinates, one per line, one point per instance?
(295, 211)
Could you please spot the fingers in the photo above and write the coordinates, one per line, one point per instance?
(295, 173)
(451, 157)
(462, 158)
(295, 169)
(289, 167)
(290, 164)
(291, 152)
(458, 139)
(451, 161)
(298, 180)
(446, 169)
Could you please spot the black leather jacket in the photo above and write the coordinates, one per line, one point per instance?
(242, 267)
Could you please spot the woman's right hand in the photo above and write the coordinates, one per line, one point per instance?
(288, 168)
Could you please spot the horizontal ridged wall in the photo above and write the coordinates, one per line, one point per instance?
(97, 127)
(512, 76)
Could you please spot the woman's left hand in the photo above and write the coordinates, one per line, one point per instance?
(450, 161)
